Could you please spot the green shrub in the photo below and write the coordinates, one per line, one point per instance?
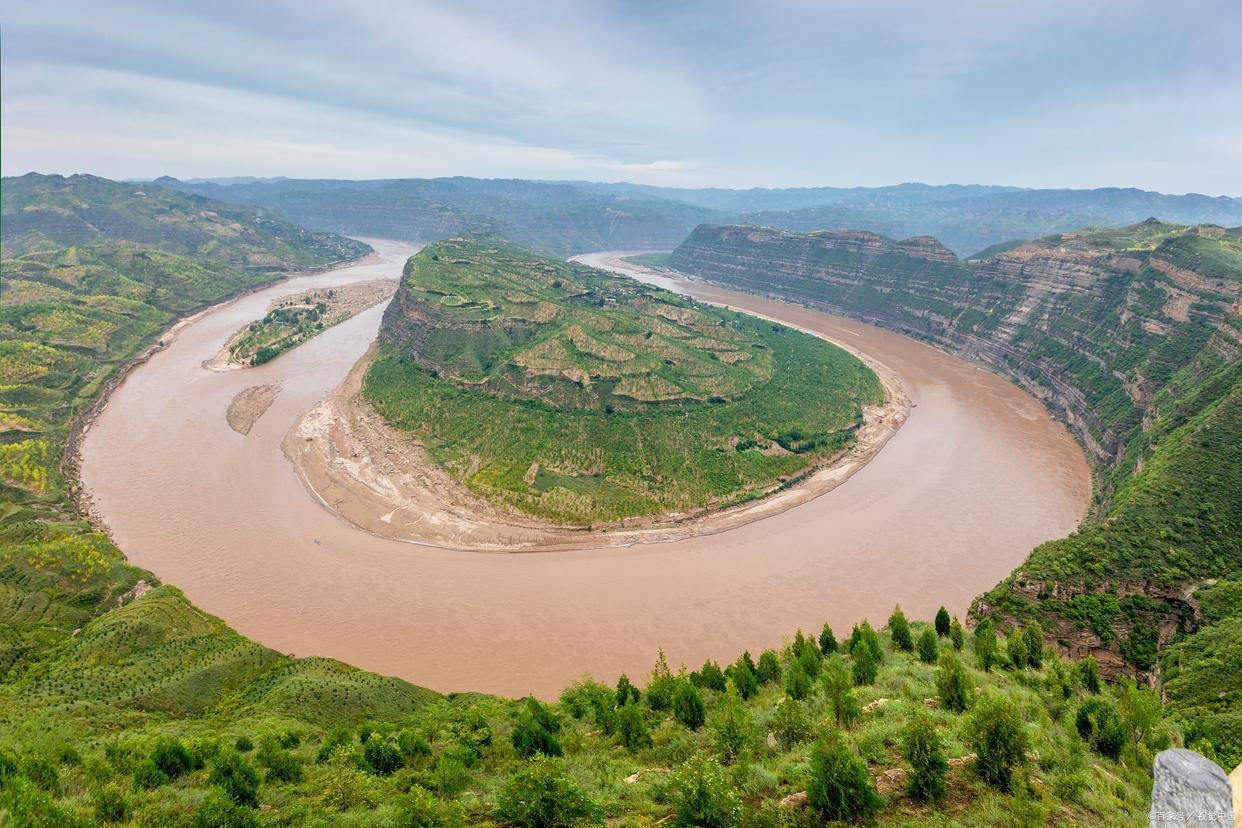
(1034, 637)
(535, 730)
(382, 756)
(841, 697)
(956, 635)
(111, 805)
(701, 795)
(954, 687)
(336, 738)
(899, 628)
(732, 728)
(344, 786)
(632, 728)
(171, 757)
(928, 647)
(864, 635)
(626, 691)
(865, 669)
(987, 650)
(147, 776)
(995, 732)
(742, 677)
(243, 744)
(219, 811)
(450, 776)
(1089, 674)
(942, 622)
(797, 682)
(236, 777)
(662, 685)
(688, 705)
(1100, 726)
(840, 787)
(411, 743)
(769, 669)
(790, 723)
(711, 677)
(923, 749)
(419, 808)
(827, 641)
(542, 795)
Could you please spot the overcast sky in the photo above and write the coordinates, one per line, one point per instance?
(1042, 93)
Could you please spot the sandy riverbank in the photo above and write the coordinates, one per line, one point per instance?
(384, 481)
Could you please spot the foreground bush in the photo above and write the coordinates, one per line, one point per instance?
(840, 787)
(996, 733)
(1099, 724)
(923, 749)
(542, 795)
(701, 795)
(234, 776)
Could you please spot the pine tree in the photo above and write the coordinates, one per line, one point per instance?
(996, 733)
(797, 682)
(865, 667)
(942, 622)
(688, 705)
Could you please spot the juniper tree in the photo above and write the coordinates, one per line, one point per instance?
(1089, 674)
(626, 691)
(923, 748)
(797, 682)
(954, 687)
(928, 646)
(999, 739)
(688, 706)
(742, 675)
(865, 668)
(839, 688)
(769, 669)
(840, 787)
(827, 641)
(987, 651)
(942, 622)
(956, 635)
(899, 628)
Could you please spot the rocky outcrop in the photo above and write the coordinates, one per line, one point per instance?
(1189, 789)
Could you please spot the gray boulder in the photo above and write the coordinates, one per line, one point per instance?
(1189, 790)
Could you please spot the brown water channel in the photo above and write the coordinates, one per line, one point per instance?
(977, 476)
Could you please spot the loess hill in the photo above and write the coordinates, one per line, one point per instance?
(578, 396)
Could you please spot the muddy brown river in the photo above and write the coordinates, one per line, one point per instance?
(977, 476)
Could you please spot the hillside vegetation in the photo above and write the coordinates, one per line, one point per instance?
(579, 396)
(44, 213)
(1133, 336)
(565, 217)
(957, 728)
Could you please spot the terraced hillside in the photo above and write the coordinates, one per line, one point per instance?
(45, 213)
(1133, 335)
(579, 396)
(70, 318)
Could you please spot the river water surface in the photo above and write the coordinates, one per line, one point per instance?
(977, 476)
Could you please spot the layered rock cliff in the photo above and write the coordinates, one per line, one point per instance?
(1131, 335)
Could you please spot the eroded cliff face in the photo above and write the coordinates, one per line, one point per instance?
(1089, 323)
(1126, 334)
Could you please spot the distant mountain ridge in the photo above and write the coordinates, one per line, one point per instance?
(567, 217)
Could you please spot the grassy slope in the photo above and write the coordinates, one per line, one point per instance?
(457, 756)
(503, 374)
